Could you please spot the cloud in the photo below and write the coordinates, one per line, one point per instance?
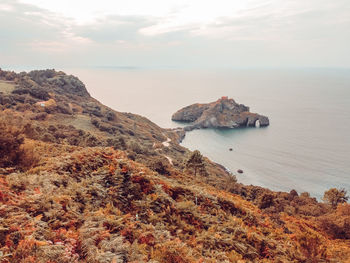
(274, 22)
(254, 33)
(30, 35)
(114, 28)
(25, 23)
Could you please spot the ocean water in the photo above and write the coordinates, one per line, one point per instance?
(306, 147)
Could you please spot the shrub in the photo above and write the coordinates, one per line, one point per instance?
(105, 127)
(95, 122)
(11, 138)
(135, 147)
(337, 224)
(110, 116)
(172, 252)
(64, 108)
(311, 246)
(29, 157)
(117, 143)
(160, 166)
(266, 200)
(131, 156)
(13, 150)
(35, 92)
(230, 183)
(293, 194)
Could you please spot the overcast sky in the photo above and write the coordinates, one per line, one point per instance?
(175, 33)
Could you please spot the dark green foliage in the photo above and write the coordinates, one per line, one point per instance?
(93, 110)
(160, 166)
(135, 147)
(36, 92)
(293, 194)
(110, 116)
(266, 201)
(103, 126)
(95, 122)
(117, 144)
(196, 164)
(40, 76)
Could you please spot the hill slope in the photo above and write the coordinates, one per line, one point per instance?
(80, 182)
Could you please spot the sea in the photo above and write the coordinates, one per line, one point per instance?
(306, 147)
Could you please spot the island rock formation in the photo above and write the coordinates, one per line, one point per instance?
(223, 113)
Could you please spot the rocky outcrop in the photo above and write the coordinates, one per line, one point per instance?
(223, 113)
(69, 84)
(50, 80)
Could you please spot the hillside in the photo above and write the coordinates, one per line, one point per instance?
(80, 182)
(57, 108)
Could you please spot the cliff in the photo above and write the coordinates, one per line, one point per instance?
(223, 113)
(80, 182)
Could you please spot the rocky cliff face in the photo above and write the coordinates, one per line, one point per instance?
(223, 113)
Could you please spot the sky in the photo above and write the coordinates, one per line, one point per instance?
(175, 33)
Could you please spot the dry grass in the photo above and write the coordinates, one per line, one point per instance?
(95, 205)
(6, 87)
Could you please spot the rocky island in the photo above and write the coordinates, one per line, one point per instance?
(223, 113)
